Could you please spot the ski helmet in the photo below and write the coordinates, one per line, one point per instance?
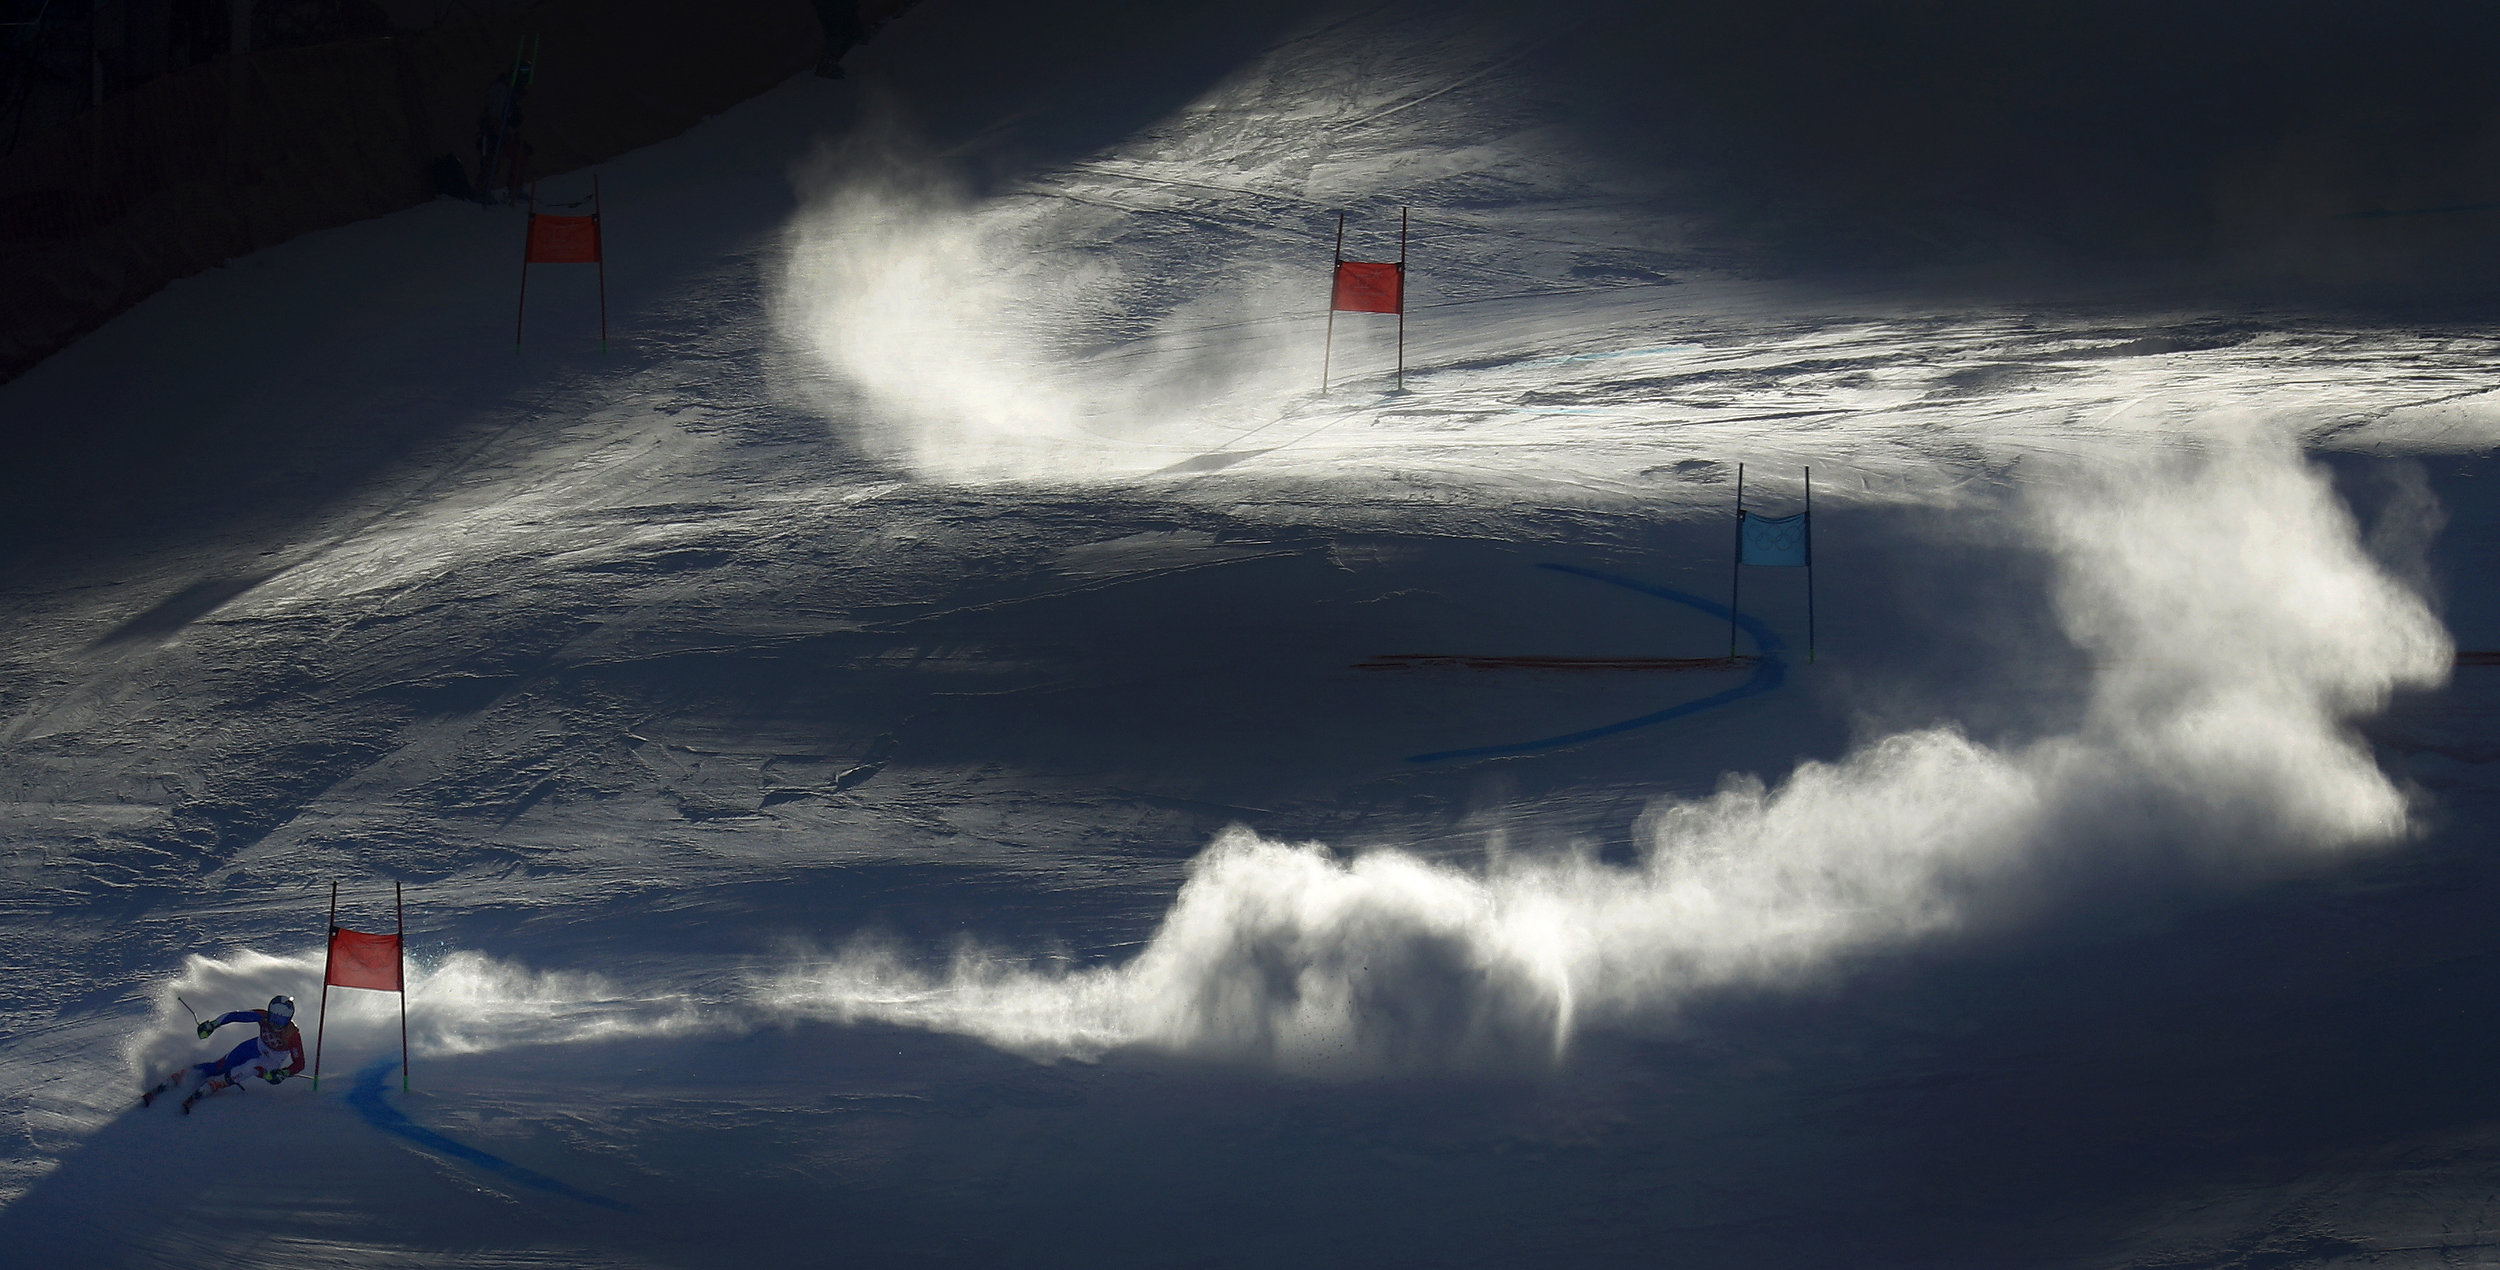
(281, 1008)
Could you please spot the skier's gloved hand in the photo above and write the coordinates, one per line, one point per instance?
(205, 1029)
(275, 1078)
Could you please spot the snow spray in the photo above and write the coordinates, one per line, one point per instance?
(2236, 625)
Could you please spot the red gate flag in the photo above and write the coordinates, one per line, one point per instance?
(1368, 286)
(359, 960)
(563, 240)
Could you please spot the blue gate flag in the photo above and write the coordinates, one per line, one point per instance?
(1777, 540)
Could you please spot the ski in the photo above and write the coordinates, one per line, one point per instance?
(148, 1098)
(505, 123)
(524, 74)
(214, 1084)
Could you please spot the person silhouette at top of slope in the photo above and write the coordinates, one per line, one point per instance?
(274, 1055)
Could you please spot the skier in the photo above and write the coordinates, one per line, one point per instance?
(278, 1043)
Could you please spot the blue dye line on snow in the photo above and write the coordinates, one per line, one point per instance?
(369, 1098)
(1769, 672)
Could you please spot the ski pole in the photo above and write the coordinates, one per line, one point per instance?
(186, 1009)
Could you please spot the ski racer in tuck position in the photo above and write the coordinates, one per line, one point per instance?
(274, 1055)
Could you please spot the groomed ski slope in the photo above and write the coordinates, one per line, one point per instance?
(930, 750)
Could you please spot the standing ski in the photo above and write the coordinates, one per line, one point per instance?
(499, 127)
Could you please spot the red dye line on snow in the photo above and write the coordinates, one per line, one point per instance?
(1467, 661)
(1461, 661)
(1768, 673)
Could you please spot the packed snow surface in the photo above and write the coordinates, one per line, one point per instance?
(948, 744)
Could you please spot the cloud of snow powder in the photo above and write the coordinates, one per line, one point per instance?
(2237, 625)
(1028, 336)
(460, 1004)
